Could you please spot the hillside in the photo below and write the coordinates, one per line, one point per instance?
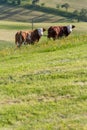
(25, 15)
(43, 86)
(8, 29)
(73, 3)
(48, 13)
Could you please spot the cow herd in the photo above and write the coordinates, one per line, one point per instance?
(33, 36)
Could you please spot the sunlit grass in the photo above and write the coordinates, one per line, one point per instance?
(44, 86)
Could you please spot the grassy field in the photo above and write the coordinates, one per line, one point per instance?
(26, 12)
(21, 14)
(73, 4)
(43, 86)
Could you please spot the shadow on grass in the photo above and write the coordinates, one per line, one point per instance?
(9, 12)
(49, 10)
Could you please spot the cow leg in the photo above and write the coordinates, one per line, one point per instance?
(17, 43)
(47, 36)
(54, 38)
(25, 43)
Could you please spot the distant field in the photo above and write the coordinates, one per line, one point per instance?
(73, 4)
(43, 86)
(22, 14)
(8, 29)
(26, 12)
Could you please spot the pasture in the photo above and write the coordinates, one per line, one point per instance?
(43, 86)
(73, 4)
(48, 13)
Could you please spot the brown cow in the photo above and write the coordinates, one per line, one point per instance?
(28, 37)
(20, 37)
(59, 31)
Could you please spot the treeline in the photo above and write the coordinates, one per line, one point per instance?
(34, 2)
(13, 2)
(80, 15)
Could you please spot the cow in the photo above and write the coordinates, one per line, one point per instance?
(28, 37)
(20, 38)
(59, 31)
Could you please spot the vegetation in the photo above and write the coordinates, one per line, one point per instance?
(34, 2)
(58, 6)
(80, 15)
(11, 2)
(83, 14)
(66, 6)
(42, 4)
(44, 86)
(73, 4)
(38, 8)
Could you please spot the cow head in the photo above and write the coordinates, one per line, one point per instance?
(40, 31)
(44, 29)
(69, 28)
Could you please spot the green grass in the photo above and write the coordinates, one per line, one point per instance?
(14, 25)
(44, 86)
(48, 13)
(73, 4)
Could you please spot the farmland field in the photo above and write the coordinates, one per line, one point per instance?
(43, 86)
(47, 13)
(73, 4)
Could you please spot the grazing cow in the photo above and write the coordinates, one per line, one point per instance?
(20, 37)
(59, 31)
(29, 37)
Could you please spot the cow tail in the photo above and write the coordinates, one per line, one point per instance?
(20, 38)
(16, 38)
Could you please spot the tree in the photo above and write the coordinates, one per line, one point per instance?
(3, 1)
(18, 2)
(42, 4)
(14, 2)
(34, 2)
(80, 15)
(76, 14)
(66, 6)
(57, 6)
(83, 14)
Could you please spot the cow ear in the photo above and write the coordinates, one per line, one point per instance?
(73, 26)
(44, 29)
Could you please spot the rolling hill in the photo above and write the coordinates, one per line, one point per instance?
(73, 3)
(43, 86)
(48, 13)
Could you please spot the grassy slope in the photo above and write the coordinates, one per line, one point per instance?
(26, 15)
(44, 87)
(73, 4)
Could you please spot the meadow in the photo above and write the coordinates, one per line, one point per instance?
(73, 4)
(47, 13)
(43, 86)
